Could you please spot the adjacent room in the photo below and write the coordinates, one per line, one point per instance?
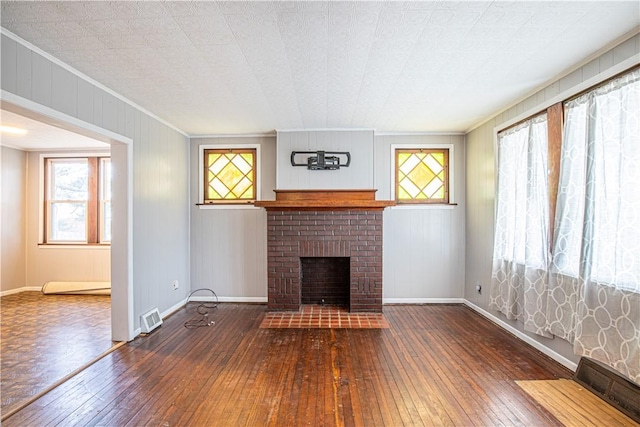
(56, 306)
(324, 213)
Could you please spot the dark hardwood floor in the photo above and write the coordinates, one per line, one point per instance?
(435, 365)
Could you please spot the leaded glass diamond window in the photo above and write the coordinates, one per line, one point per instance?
(229, 175)
(422, 176)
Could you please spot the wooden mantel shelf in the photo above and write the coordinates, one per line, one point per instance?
(325, 200)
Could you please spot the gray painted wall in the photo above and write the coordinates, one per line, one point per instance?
(160, 167)
(480, 179)
(13, 219)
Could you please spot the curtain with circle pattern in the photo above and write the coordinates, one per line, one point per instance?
(585, 290)
(594, 284)
(521, 244)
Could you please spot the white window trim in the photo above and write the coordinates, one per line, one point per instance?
(452, 199)
(42, 190)
(201, 150)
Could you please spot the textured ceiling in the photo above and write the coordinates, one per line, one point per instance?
(242, 67)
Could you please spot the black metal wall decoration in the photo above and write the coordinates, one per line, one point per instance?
(323, 160)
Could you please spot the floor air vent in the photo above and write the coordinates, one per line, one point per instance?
(610, 386)
(150, 321)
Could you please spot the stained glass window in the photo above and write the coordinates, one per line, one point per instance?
(422, 175)
(230, 175)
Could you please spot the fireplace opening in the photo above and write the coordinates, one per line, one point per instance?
(325, 280)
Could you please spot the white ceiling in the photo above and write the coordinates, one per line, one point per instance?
(42, 136)
(242, 67)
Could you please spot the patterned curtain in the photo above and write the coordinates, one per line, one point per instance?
(594, 293)
(521, 246)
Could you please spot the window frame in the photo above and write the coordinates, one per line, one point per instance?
(228, 204)
(450, 174)
(102, 200)
(93, 202)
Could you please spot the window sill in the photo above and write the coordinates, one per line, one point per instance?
(226, 206)
(425, 206)
(73, 246)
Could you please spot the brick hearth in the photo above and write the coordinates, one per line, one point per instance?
(356, 234)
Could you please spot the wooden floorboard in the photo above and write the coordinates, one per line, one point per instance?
(418, 338)
(567, 400)
(47, 337)
(435, 365)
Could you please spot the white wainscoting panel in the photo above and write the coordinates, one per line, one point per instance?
(229, 252)
(423, 254)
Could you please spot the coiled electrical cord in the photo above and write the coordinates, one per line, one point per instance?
(203, 308)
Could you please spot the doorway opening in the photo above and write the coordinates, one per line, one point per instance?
(119, 307)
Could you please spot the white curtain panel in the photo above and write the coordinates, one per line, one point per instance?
(521, 255)
(594, 289)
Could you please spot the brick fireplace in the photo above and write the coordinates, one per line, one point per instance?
(345, 224)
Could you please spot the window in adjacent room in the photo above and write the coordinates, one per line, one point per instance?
(77, 200)
(422, 175)
(229, 175)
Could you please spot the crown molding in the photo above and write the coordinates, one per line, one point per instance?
(425, 133)
(236, 135)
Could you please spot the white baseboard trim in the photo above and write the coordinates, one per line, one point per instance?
(230, 299)
(524, 337)
(423, 301)
(168, 312)
(23, 289)
(244, 299)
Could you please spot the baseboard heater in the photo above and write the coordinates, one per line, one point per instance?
(77, 288)
(609, 385)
